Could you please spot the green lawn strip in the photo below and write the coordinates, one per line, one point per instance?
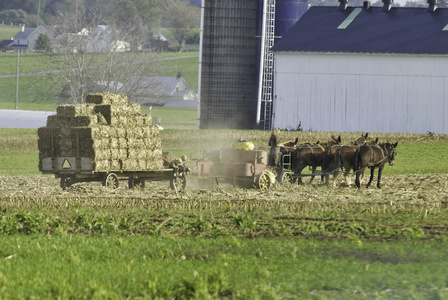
(118, 267)
(19, 163)
(170, 117)
(33, 94)
(28, 63)
(188, 67)
(420, 159)
(8, 31)
(37, 62)
(18, 132)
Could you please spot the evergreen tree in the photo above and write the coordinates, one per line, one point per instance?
(43, 43)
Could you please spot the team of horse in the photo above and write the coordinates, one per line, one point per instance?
(334, 158)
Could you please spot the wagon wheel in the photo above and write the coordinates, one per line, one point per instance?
(263, 181)
(136, 183)
(111, 181)
(285, 177)
(178, 183)
(66, 181)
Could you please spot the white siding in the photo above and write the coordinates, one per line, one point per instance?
(355, 92)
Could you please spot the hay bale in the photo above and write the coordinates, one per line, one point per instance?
(83, 121)
(108, 129)
(74, 110)
(107, 98)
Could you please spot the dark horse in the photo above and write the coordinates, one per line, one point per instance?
(373, 156)
(348, 155)
(312, 155)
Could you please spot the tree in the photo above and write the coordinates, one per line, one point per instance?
(43, 43)
(15, 16)
(95, 58)
(29, 6)
(180, 18)
(141, 17)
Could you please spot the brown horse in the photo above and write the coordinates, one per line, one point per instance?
(312, 155)
(348, 156)
(373, 156)
(332, 162)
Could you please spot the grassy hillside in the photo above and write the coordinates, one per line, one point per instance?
(31, 88)
(8, 31)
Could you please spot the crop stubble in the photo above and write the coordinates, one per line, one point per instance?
(408, 206)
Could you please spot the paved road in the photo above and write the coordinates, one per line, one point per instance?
(10, 118)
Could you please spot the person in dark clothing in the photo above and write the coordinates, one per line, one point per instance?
(272, 157)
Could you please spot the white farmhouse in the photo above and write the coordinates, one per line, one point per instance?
(369, 69)
(25, 40)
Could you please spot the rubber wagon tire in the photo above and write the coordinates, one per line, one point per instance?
(285, 177)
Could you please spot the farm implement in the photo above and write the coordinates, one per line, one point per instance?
(242, 168)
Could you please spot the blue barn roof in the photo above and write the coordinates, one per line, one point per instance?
(356, 29)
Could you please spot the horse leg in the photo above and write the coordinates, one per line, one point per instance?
(347, 168)
(380, 170)
(335, 177)
(313, 172)
(357, 182)
(298, 171)
(347, 177)
(363, 173)
(372, 169)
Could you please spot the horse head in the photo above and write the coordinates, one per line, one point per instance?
(334, 140)
(391, 152)
(362, 140)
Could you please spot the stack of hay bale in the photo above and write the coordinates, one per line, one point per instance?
(108, 129)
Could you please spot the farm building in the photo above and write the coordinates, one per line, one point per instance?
(159, 90)
(235, 64)
(26, 39)
(371, 69)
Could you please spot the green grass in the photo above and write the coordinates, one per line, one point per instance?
(114, 267)
(19, 147)
(420, 159)
(19, 163)
(28, 63)
(172, 117)
(188, 67)
(8, 31)
(34, 90)
(32, 93)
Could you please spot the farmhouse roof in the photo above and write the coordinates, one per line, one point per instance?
(163, 86)
(405, 30)
(23, 35)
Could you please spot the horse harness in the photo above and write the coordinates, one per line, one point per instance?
(372, 155)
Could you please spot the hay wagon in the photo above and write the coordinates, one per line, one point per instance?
(76, 169)
(244, 168)
(107, 139)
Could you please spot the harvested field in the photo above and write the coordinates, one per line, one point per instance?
(406, 207)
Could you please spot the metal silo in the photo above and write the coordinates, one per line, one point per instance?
(287, 13)
(235, 64)
(227, 84)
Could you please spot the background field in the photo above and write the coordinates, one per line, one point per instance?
(288, 242)
(8, 31)
(32, 87)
